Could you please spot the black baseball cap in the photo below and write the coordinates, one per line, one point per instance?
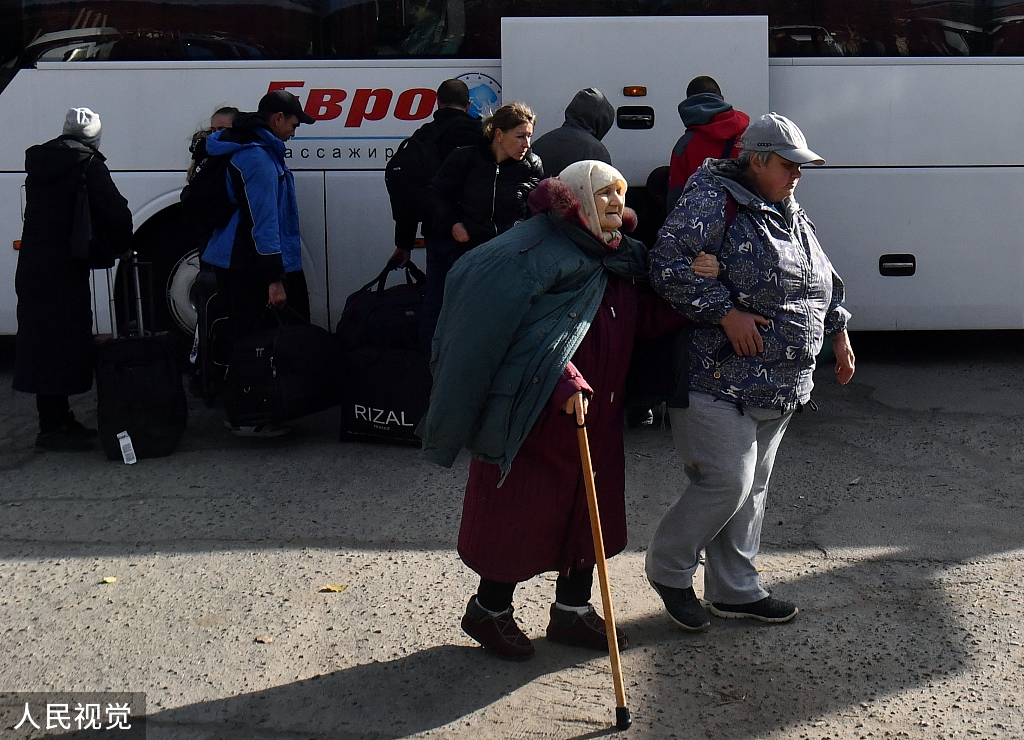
(282, 101)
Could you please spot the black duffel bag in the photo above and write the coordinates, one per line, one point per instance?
(282, 373)
(386, 394)
(376, 316)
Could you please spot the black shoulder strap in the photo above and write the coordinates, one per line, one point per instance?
(727, 151)
(82, 179)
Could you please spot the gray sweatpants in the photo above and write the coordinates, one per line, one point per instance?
(728, 458)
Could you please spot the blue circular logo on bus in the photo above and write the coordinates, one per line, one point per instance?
(484, 93)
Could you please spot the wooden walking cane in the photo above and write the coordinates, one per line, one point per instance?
(622, 718)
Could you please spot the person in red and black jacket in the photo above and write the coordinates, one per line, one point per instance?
(713, 129)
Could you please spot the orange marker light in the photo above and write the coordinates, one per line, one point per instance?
(634, 91)
(17, 243)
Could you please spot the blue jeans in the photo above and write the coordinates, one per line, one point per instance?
(441, 255)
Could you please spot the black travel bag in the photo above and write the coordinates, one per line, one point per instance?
(213, 349)
(141, 410)
(375, 316)
(386, 393)
(282, 372)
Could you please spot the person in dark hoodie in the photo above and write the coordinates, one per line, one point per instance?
(713, 129)
(588, 117)
(54, 345)
(257, 255)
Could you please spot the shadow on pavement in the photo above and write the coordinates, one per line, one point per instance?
(850, 647)
(896, 495)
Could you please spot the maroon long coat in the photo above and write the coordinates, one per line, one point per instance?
(538, 520)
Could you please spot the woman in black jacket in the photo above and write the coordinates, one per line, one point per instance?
(54, 346)
(479, 192)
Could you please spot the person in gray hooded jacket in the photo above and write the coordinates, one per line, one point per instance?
(588, 117)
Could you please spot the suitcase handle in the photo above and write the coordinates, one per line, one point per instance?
(276, 313)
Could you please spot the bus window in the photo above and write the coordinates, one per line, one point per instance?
(150, 30)
(367, 29)
(819, 28)
(395, 28)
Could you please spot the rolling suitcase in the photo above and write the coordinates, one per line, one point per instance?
(282, 373)
(141, 408)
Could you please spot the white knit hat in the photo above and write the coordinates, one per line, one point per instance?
(84, 125)
(586, 178)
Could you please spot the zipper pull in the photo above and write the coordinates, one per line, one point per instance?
(612, 309)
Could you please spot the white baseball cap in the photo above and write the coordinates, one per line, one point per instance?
(774, 133)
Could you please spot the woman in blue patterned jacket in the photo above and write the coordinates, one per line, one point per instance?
(760, 325)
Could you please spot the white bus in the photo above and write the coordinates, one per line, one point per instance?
(915, 104)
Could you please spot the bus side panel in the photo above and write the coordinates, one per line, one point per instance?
(360, 232)
(309, 191)
(11, 199)
(961, 224)
(904, 112)
(545, 61)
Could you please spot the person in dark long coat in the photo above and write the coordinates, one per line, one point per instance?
(54, 345)
(573, 274)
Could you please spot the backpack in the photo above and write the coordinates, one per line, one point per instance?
(205, 201)
(410, 170)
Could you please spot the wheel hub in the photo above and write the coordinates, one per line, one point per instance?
(181, 300)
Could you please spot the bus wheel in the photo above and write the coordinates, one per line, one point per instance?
(168, 290)
(181, 291)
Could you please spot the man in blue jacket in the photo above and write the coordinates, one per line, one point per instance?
(258, 255)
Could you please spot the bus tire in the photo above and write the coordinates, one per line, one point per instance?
(169, 287)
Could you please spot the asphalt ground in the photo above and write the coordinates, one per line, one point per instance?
(894, 520)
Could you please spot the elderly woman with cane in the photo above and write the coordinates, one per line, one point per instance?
(537, 328)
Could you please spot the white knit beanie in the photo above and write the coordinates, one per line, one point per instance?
(586, 178)
(84, 125)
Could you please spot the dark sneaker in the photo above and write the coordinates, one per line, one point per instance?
(499, 633)
(767, 609)
(262, 431)
(63, 440)
(684, 607)
(582, 630)
(76, 427)
(639, 417)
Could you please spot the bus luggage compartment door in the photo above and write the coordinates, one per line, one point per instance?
(545, 61)
(952, 230)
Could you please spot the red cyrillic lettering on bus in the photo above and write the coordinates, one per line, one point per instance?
(284, 85)
(325, 105)
(423, 99)
(361, 109)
